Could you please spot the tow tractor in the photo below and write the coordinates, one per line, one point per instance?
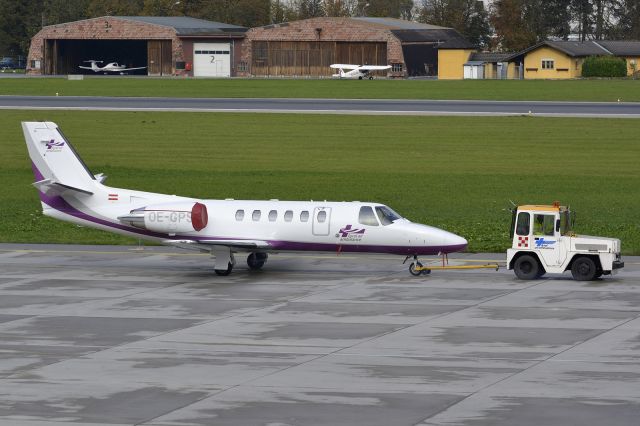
(543, 242)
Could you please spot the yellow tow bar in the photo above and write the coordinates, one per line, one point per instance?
(416, 268)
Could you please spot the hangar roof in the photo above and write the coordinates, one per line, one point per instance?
(399, 23)
(186, 26)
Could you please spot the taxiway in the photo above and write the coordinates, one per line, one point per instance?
(327, 106)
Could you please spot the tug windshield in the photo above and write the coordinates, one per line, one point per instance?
(386, 215)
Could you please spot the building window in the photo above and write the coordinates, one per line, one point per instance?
(273, 215)
(396, 67)
(547, 64)
(256, 215)
(243, 66)
(240, 215)
(288, 216)
(304, 216)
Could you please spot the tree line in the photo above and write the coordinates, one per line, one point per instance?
(503, 25)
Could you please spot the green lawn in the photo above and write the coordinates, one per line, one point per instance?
(457, 173)
(571, 90)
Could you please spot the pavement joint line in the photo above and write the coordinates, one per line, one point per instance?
(534, 364)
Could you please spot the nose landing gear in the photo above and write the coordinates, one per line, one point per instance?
(416, 268)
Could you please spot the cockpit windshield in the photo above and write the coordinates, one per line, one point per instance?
(386, 215)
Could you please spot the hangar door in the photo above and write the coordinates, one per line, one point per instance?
(211, 59)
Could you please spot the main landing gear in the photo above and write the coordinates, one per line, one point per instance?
(223, 256)
(256, 261)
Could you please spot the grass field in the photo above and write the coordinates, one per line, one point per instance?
(570, 90)
(457, 173)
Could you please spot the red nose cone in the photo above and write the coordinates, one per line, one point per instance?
(199, 217)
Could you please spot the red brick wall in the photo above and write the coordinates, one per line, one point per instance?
(332, 29)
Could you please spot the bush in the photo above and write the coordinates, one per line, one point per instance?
(604, 66)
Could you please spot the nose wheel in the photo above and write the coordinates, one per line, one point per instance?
(416, 268)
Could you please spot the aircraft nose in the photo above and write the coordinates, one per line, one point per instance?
(454, 242)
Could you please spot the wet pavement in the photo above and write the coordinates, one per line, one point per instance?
(121, 336)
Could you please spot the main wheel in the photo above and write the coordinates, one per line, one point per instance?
(224, 272)
(584, 269)
(256, 261)
(370, 77)
(413, 270)
(527, 267)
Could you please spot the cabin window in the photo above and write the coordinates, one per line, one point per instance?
(240, 215)
(548, 64)
(522, 226)
(386, 215)
(288, 216)
(543, 224)
(304, 216)
(322, 216)
(367, 216)
(256, 215)
(273, 215)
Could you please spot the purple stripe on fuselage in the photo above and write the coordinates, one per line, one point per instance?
(60, 204)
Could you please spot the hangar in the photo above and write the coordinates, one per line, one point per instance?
(308, 47)
(165, 45)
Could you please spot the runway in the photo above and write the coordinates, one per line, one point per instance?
(327, 106)
(115, 335)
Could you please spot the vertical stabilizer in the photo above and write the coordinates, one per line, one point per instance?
(56, 165)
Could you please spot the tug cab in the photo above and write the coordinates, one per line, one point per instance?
(543, 242)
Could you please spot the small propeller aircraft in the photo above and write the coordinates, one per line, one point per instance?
(69, 191)
(110, 67)
(357, 71)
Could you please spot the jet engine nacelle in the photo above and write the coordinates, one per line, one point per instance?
(169, 218)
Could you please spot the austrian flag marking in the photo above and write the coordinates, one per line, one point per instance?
(113, 197)
(523, 242)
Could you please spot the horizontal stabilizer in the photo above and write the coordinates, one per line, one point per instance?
(52, 188)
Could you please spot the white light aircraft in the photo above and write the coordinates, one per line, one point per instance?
(110, 67)
(357, 71)
(69, 191)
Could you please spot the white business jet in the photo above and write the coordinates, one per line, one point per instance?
(357, 71)
(110, 67)
(69, 191)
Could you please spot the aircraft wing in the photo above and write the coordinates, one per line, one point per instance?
(85, 68)
(374, 67)
(128, 69)
(344, 66)
(233, 244)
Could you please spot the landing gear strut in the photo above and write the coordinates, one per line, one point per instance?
(223, 257)
(256, 261)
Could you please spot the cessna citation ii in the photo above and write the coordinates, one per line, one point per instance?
(69, 191)
(357, 71)
(110, 67)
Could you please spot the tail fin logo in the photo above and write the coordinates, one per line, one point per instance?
(53, 146)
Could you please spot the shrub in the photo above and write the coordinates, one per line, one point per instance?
(604, 66)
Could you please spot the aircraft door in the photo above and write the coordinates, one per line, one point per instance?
(321, 220)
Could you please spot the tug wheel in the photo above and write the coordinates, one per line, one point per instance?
(584, 269)
(527, 267)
